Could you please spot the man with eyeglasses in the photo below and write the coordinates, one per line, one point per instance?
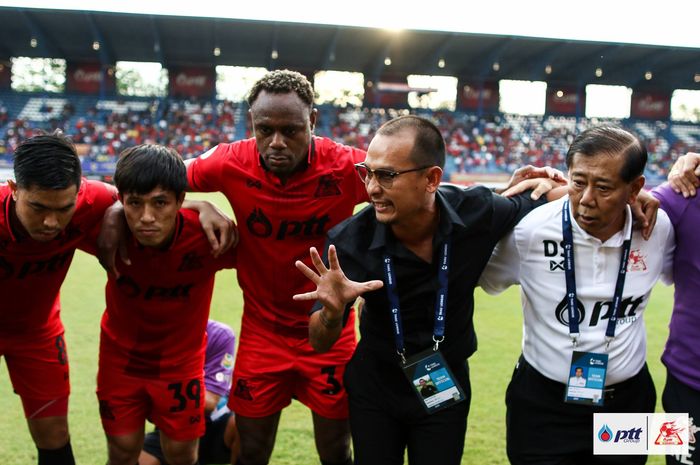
(429, 244)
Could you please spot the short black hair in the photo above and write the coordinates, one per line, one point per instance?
(47, 161)
(142, 168)
(283, 81)
(611, 140)
(428, 146)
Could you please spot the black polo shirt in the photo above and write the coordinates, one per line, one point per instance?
(475, 219)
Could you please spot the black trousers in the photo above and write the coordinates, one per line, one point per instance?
(541, 429)
(386, 417)
(681, 398)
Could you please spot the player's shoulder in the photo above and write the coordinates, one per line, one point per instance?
(190, 230)
(331, 153)
(474, 205)
(5, 193)
(543, 216)
(239, 151)
(92, 191)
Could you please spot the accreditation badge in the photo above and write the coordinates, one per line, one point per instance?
(432, 381)
(586, 378)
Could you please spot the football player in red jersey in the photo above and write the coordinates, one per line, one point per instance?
(46, 212)
(287, 189)
(153, 338)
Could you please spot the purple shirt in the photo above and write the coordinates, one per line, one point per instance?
(682, 353)
(218, 363)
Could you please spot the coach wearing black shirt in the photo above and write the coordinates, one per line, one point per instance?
(425, 233)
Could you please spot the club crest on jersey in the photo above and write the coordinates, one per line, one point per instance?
(190, 261)
(328, 186)
(636, 261)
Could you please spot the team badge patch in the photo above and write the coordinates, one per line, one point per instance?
(191, 261)
(328, 186)
(242, 390)
(636, 261)
(227, 361)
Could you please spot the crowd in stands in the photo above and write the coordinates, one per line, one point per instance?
(498, 143)
(189, 127)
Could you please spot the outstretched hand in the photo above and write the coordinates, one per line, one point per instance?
(333, 289)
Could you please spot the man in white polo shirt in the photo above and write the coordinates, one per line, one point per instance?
(586, 276)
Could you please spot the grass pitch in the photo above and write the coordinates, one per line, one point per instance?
(498, 323)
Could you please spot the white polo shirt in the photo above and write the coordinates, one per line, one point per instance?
(532, 256)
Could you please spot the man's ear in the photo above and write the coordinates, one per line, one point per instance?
(434, 176)
(636, 187)
(180, 199)
(13, 188)
(313, 117)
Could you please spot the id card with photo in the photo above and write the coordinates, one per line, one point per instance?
(432, 381)
(586, 378)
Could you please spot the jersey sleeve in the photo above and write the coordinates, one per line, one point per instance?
(205, 173)
(101, 196)
(673, 204)
(360, 188)
(669, 249)
(508, 211)
(219, 363)
(503, 268)
(228, 259)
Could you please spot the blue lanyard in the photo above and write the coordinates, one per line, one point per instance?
(571, 279)
(440, 301)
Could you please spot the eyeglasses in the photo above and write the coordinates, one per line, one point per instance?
(385, 178)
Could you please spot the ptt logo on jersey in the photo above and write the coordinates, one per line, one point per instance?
(190, 261)
(636, 261)
(328, 186)
(260, 225)
(34, 267)
(602, 310)
(129, 287)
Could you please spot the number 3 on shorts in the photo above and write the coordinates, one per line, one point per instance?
(332, 381)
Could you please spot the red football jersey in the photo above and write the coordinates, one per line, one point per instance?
(157, 311)
(31, 272)
(279, 223)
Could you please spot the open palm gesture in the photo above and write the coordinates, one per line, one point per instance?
(333, 289)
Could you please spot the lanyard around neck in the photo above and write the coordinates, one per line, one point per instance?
(571, 279)
(440, 301)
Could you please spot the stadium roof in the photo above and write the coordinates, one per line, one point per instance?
(177, 40)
